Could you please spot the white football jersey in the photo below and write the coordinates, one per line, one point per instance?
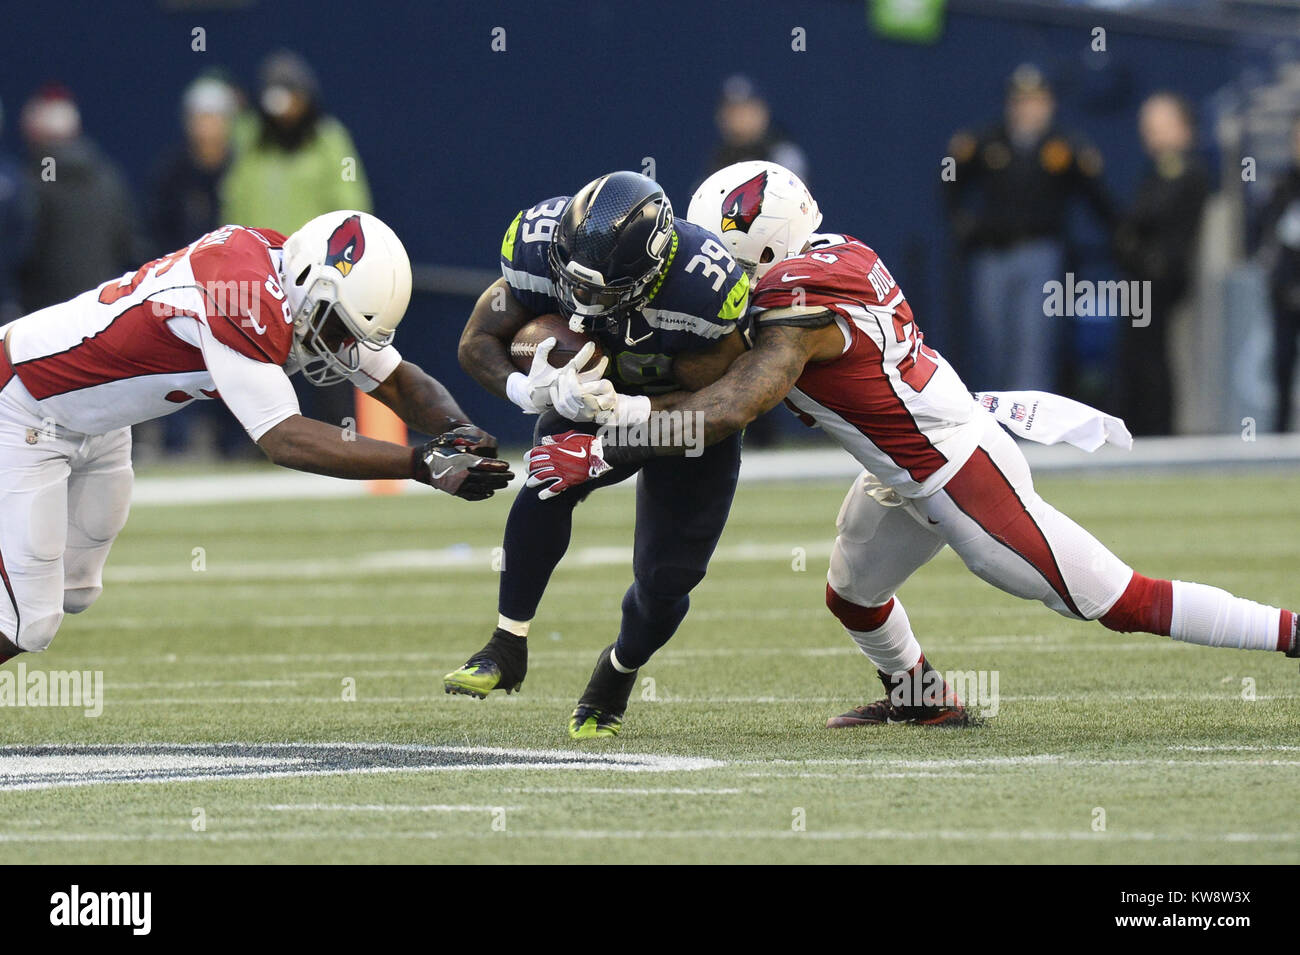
(893, 402)
(209, 320)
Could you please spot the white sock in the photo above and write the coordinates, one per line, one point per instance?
(518, 627)
(892, 646)
(613, 659)
(1215, 618)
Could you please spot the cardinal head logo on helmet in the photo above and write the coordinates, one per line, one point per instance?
(347, 245)
(742, 205)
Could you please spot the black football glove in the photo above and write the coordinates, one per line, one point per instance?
(480, 442)
(463, 463)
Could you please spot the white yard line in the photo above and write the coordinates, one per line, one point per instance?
(379, 807)
(456, 558)
(828, 463)
(543, 648)
(730, 835)
(1040, 760)
(1231, 748)
(625, 791)
(525, 699)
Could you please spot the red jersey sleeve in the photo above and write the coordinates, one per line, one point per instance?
(246, 307)
(831, 275)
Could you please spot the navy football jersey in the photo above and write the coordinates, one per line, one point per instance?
(698, 300)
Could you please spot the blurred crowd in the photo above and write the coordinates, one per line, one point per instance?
(270, 154)
(1008, 196)
(1013, 185)
(272, 157)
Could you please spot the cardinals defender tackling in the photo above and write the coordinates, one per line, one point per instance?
(231, 315)
(834, 336)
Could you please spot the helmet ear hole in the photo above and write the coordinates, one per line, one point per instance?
(767, 256)
(302, 276)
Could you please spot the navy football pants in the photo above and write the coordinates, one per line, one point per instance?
(681, 508)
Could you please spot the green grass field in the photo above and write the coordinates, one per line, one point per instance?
(298, 599)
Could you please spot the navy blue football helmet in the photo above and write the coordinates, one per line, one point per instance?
(612, 244)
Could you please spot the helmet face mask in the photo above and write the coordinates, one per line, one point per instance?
(326, 343)
(341, 297)
(613, 242)
(589, 302)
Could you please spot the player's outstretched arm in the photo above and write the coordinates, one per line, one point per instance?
(756, 382)
(484, 350)
(447, 463)
(305, 444)
(425, 404)
(699, 369)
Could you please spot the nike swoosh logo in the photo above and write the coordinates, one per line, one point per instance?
(443, 473)
(790, 278)
(572, 454)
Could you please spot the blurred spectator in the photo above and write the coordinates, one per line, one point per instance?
(1280, 238)
(86, 228)
(185, 205)
(17, 219)
(1007, 206)
(292, 163)
(186, 202)
(745, 126)
(1155, 242)
(746, 132)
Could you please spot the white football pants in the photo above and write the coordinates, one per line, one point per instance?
(64, 497)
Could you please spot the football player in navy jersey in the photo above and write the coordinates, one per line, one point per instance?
(662, 296)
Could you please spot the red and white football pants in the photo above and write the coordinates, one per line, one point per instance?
(990, 514)
(64, 497)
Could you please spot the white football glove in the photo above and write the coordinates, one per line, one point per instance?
(532, 391)
(583, 395)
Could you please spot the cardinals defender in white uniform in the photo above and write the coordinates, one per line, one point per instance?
(231, 315)
(834, 336)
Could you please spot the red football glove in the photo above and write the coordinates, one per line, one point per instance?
(563, 461)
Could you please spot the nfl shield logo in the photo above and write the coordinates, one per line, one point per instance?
(990, 402)
(1018, 411)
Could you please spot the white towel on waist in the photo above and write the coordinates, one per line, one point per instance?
(1050, 419)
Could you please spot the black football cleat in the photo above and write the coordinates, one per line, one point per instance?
(500, 665)
(923, 701)
(599, 713)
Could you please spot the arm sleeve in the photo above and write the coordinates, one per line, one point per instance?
(258, 393)
(376, 366)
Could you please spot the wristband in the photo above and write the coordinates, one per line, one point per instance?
(630, 411)
(517, 392)
(623, 455)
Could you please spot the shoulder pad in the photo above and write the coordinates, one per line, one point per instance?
(524, 262)
(245, 306)
(704, 290)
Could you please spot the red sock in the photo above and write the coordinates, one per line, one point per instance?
(1286, 631)
(1146, 605)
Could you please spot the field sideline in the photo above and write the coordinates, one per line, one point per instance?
(249, 623)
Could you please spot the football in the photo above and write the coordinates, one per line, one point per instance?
(567, 342)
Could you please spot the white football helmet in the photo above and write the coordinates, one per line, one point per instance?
(348, 280)
(762, 212)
